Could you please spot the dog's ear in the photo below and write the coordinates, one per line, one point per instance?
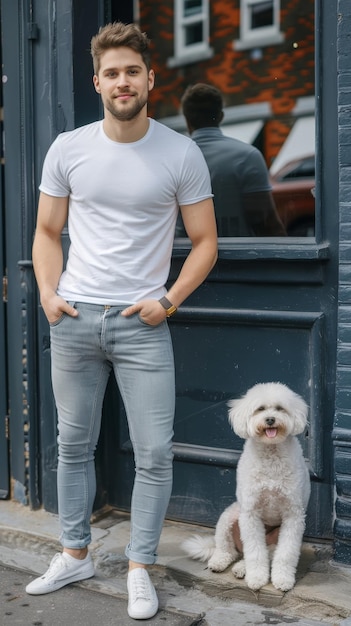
(238, 416)
(300, 413)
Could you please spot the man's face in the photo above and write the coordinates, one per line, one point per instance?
(123, 82)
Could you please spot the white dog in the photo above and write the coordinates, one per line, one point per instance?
(273, 489)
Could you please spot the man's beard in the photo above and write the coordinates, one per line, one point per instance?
(130, 112)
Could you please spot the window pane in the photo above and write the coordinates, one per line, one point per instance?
(192, 7)
(194, 34)
(262, 15)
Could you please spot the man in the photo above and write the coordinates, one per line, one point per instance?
(120, 182)
(243, 201)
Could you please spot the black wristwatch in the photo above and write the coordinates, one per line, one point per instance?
(170, 308)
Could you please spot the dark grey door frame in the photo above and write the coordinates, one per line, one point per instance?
(38, 78)
(18, 35)
(4, 461)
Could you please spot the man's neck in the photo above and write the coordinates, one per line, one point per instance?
(125, 131)
(195, 130)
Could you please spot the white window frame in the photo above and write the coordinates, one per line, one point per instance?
(258, 37)
(192, 52)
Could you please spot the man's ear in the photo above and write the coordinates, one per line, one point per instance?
(151, 79)
(96, 83)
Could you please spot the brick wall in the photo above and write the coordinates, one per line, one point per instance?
(342, 430)
(280, 74)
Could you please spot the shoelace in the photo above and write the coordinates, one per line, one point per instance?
(56, 564)
(141, 588)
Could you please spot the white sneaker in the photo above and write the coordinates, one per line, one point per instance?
(142, 602)
(63, 569)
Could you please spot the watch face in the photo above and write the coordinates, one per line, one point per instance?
(171, 311)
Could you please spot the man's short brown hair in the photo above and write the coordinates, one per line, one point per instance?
(202, 105)
(116, 35)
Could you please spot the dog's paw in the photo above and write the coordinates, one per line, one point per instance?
(219, 561)
(257, 578)
(283, 578)
(239, 569)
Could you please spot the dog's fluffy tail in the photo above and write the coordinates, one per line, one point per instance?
(199, 547)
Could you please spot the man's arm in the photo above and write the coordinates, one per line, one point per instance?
(200, 225)
(47, 254)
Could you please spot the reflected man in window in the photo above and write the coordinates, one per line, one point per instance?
(243, 199)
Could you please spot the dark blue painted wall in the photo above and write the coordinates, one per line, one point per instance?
(342, 430)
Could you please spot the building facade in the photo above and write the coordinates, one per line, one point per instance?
(272, 309)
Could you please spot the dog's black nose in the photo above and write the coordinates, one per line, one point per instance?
(270, 421)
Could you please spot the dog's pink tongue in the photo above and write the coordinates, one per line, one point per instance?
(271, 432)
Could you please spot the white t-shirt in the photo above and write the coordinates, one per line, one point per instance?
(123, 205)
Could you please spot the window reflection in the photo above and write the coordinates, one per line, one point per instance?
(262, 14)
(293, 193)
(243, 201)
(260, 55)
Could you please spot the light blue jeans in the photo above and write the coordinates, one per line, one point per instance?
(84, 350)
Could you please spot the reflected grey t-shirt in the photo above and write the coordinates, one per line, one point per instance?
(236, 169)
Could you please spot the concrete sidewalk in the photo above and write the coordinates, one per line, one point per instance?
(322, 594)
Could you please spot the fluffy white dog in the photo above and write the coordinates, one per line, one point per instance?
(273, 489)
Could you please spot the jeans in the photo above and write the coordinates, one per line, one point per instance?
(84, 350)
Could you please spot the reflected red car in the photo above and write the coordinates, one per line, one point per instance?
(293, 191)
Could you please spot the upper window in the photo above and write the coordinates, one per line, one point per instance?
(193, 20)
(191, 31)
(259, 24)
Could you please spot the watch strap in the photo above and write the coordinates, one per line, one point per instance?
(168, 306)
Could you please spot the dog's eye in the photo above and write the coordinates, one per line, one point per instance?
(279, 408)
(261, 408)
